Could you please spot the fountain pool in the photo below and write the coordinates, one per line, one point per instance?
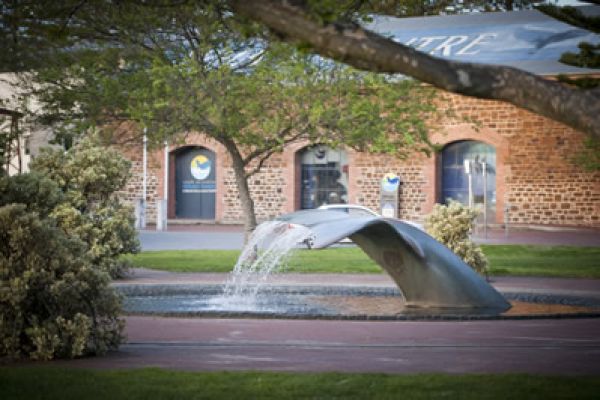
(336, 302)
(431, 282)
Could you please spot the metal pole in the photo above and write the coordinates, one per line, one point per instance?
(144, 180)
(164, 202)
(166, 178)
(470, 175)
(484, 170)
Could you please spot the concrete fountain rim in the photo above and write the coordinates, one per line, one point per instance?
(169, 289)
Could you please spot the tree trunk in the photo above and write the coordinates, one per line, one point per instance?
(241, 181)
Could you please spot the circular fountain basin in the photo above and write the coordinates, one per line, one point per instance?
(343, 302)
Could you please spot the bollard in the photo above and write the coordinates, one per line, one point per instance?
(140, 214)
(161, 215)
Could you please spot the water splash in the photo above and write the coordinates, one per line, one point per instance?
(268, 250)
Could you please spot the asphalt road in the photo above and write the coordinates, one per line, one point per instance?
(230, 237)
(199, 240)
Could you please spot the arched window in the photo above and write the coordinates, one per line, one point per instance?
(481, 158)
(323, 176)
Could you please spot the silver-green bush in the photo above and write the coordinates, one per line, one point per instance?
(62, 231)
(451, 225)
(54, 302)
(89, 175)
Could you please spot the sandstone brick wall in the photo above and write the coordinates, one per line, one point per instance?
(369, 169)
(266, 188)
(542, 184)
(134, 188)
(536, 176)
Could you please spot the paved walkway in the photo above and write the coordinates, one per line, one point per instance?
(541, 346)
(550, 346)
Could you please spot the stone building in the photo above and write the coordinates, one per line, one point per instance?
(530, 176)
(27, 138)
(529, 160)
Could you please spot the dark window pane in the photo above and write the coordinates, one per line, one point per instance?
(324, 177)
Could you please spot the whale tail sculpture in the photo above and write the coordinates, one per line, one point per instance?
(427, 273)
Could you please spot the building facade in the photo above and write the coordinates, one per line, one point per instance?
(531, 177)
(520, 165)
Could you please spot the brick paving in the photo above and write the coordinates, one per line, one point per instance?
(565, 347)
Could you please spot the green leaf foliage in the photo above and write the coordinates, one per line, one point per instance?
(63, 232)
(88, 176)
(38, 193)
(286, 97)
(587, 82)
(451, 225)
(54, 302)
(588, 56)
(572, 16)
(197, 67)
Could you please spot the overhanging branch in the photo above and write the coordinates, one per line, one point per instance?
(366, 50)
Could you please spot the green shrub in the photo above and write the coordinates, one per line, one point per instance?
(62, 232)
(38, 193)
(89, 174)
(54, 302)
(451, 225)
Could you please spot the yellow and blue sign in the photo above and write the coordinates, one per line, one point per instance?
(200, 167)
(390, 182)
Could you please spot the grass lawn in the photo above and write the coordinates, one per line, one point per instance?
(557, 261)
(56, 383)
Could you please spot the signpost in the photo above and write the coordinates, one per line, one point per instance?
(390, 184)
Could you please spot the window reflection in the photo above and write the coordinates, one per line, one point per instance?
(455, 182)
(324, 177)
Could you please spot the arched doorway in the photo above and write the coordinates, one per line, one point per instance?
(481, 160)
(195, 183)
(323, 176)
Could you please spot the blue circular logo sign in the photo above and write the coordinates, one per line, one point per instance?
(200, 167)
(390, 182)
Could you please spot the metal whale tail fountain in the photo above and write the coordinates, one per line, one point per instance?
(427, 273)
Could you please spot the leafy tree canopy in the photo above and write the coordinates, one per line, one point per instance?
(197, 67)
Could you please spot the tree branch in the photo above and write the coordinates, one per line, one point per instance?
(270, 147)
(366, 50)
(264, 157)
